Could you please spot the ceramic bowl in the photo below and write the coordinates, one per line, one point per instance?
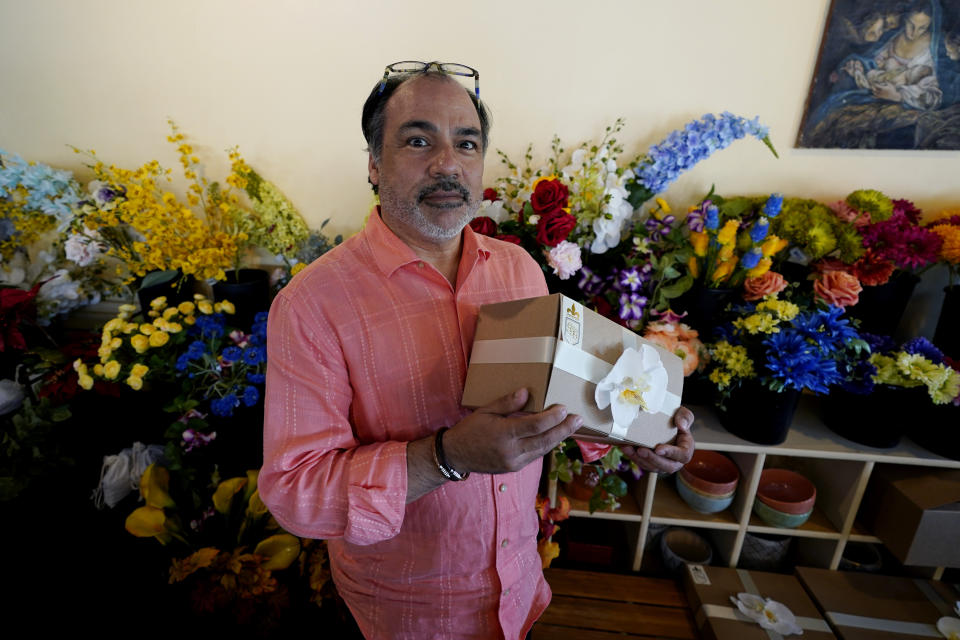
(776, 518)
(711, 473)
(702, 502)
(786, 491)
(683, 546)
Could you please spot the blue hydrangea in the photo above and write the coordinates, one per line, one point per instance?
(51, 191)
(684, 148)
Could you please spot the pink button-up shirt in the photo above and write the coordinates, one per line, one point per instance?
(368, 350)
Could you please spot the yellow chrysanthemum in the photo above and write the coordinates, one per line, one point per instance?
(169, 312)
(158, 303)
(950, 250)
(227, 307)
(135, 383)
(186, 308)
(205, 307)
(85, 381)
(139, 370)
(147, 329)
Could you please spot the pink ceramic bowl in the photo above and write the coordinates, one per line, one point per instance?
(711, 473)
(786, 491)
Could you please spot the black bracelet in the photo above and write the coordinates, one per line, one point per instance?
(448, 472)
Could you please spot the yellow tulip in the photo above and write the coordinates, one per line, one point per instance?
(148, 522)
(663, 206)
(159, 338)
(139, 370)
(135, 383)
(772, 245)
(700, 241)
(98, 370)
(723, 270)
(154, 485)
(228, 307)
(85, 382)
(278, 551)
(223, 496)
(140, 343)
(693, 266)
(762, 267)
(256, 509)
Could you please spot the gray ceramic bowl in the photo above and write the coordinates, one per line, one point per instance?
(776, 518)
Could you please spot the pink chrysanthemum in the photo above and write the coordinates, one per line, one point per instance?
(908, 209)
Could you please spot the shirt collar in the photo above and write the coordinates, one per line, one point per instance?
(390, 252)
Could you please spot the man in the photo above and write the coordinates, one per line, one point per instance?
(368, 350)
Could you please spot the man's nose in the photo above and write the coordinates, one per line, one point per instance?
(445, 162)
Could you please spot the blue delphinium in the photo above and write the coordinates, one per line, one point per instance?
(682, 149)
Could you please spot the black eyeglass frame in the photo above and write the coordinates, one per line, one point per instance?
(449, 68)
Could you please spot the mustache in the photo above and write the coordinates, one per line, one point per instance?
(447, 184)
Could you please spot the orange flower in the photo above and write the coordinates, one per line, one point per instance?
(768, 284)
(182, 568)
(839, 288)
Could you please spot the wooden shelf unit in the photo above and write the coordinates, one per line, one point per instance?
(839, 468)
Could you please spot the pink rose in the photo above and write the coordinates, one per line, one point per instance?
(766, 285)
(839, 288)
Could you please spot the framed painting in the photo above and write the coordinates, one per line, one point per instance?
(887, 77)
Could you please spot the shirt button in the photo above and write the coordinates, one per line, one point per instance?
(420, 265)
(506, 592)
(503, 488)
(504, 543)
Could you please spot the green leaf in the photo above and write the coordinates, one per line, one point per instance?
(158, 277)
(614, 485)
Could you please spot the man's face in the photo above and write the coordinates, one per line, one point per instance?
(430, 173)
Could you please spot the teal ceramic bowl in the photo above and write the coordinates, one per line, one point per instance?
(703, 502)
(776, 518)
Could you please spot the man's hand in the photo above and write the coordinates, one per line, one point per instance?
(667, 458)
(492, 440)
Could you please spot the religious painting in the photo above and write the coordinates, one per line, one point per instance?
(888, 77)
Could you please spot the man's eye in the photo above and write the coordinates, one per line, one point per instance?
(417, 142)
(469, 144)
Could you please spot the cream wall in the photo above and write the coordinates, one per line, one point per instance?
(285, 80)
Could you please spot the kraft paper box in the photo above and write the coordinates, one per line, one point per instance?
(863, 606)
(916, 513)
(560, 350)
(709, 590)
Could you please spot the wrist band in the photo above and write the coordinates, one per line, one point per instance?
(448, 472)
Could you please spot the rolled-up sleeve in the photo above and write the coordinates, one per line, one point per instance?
(317, 480)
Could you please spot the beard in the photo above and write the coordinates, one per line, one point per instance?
(436, 222)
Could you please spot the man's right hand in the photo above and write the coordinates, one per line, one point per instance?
(494, 439)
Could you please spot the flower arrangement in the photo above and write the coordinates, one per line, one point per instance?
(781, 345)
(151, 229)
(677, 337)
(603, 475)
(549, 517)
(916, 363)
(947, 226)
(37, 205)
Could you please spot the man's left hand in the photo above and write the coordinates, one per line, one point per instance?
(667, 458)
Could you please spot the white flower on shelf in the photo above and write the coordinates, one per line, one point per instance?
(769, 614)
(950, 626)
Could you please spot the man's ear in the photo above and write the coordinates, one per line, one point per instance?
(373, 170)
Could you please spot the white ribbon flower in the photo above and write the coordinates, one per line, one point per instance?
(769, 614)
(950, 627)
(637, 382)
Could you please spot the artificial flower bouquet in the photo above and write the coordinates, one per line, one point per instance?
(135, 215)
(37, 206)
(602, 482)
(917, 363)
(226, 548)
(781, 345)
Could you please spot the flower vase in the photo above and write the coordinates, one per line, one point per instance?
(755, 413)
(248, 290)
(875, 419)
(171, 284)
(881, 307)
(704, 307)
(938, 431)
(947, 334)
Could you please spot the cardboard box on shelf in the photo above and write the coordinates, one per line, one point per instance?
(916, 513)
(709, 590)
(560, 351)
(864, 606)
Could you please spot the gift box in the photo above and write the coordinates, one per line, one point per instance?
(625, 388)
(916, 513)
(710, 589)
(864, 606)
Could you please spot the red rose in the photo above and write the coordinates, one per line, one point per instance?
(508, 238)
(548, 197)
(490, 194)
(484, 225)
(554, 229)
(839, 288)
